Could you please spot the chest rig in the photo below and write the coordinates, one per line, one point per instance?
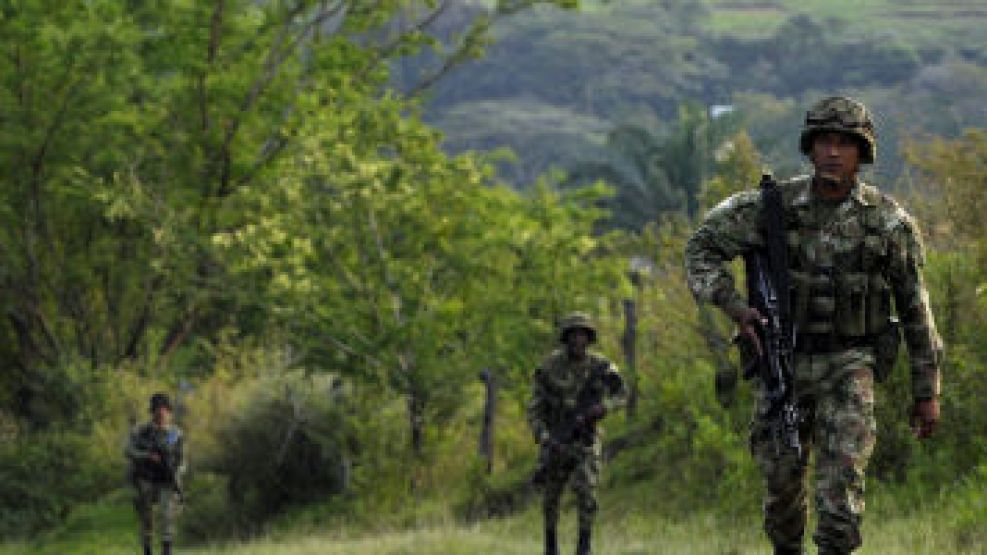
(838, 260)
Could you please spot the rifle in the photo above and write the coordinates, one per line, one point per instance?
(574, 426)
(768, 292)
(167, 470)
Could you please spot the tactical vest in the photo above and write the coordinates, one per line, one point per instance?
(150, 438)
(565, 381)
(847, 294)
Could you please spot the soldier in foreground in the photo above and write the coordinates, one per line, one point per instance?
(156, 455)
(573, 390)
(847, 251)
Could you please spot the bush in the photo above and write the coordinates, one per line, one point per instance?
(43, 475)
(286, 442)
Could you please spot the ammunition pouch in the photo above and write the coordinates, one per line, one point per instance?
(847, 304)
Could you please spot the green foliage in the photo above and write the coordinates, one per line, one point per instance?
(42, 477)
(284, 440)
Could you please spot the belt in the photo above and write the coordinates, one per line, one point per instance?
(825, 343)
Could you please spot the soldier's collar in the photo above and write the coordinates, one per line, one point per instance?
(804, 196)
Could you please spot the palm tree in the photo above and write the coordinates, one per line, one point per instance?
(656, 173)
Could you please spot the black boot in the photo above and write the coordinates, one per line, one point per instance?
(583, 548)
(551, 542)
(789, 551)
(147, 548)
(165, 548)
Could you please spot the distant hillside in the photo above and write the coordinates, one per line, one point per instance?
(555, 79)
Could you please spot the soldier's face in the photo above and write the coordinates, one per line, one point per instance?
(577, 341)
(836, 156)
(162, 416)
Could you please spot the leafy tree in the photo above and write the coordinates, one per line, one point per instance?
(130, 131)
(653, 173)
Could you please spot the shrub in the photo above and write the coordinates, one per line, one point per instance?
(286, 442)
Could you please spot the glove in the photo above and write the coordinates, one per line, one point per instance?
(924, 417)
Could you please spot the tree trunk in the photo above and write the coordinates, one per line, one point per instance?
(416, 421)
(629, 343)
(489, 379)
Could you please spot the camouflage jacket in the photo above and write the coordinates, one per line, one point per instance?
(863, 252)
(558, 382)
(147, 438)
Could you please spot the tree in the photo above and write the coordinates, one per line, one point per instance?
(657, 173)
(131, 129)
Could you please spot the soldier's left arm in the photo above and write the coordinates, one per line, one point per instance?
(912, 305)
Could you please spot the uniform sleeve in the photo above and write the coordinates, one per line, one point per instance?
(912, 305)
(729, 230)
(615, 392)
(538, 408)
(133, 451)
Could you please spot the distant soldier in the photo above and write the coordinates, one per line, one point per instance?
(851, 250)
(573, 390)
(157, 462)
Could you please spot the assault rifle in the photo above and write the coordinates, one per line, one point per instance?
(574, 426)
(768, 292)
(167, 471)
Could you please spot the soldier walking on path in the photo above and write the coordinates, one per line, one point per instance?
(850, 250)
(573, 390)
(156, 452)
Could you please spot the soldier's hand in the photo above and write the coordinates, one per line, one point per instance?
(748, 321)
(924, 417)
(596, 413)
(155, 457)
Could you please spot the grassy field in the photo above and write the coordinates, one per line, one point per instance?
(107, 528)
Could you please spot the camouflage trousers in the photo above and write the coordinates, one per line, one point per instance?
(835, 394)
(578, 465)
(149, 494)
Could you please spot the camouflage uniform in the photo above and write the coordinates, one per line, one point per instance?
(558, 381)
(148, 477)
(847, 259)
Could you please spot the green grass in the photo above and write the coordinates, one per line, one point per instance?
(108, 527)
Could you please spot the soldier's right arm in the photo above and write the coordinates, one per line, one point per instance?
(729, 230)
(538, 408)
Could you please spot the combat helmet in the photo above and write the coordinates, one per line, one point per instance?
(844, 115)
(575, 321)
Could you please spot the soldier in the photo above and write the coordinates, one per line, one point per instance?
(573, 390)
(156, 455)
(852, 249)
